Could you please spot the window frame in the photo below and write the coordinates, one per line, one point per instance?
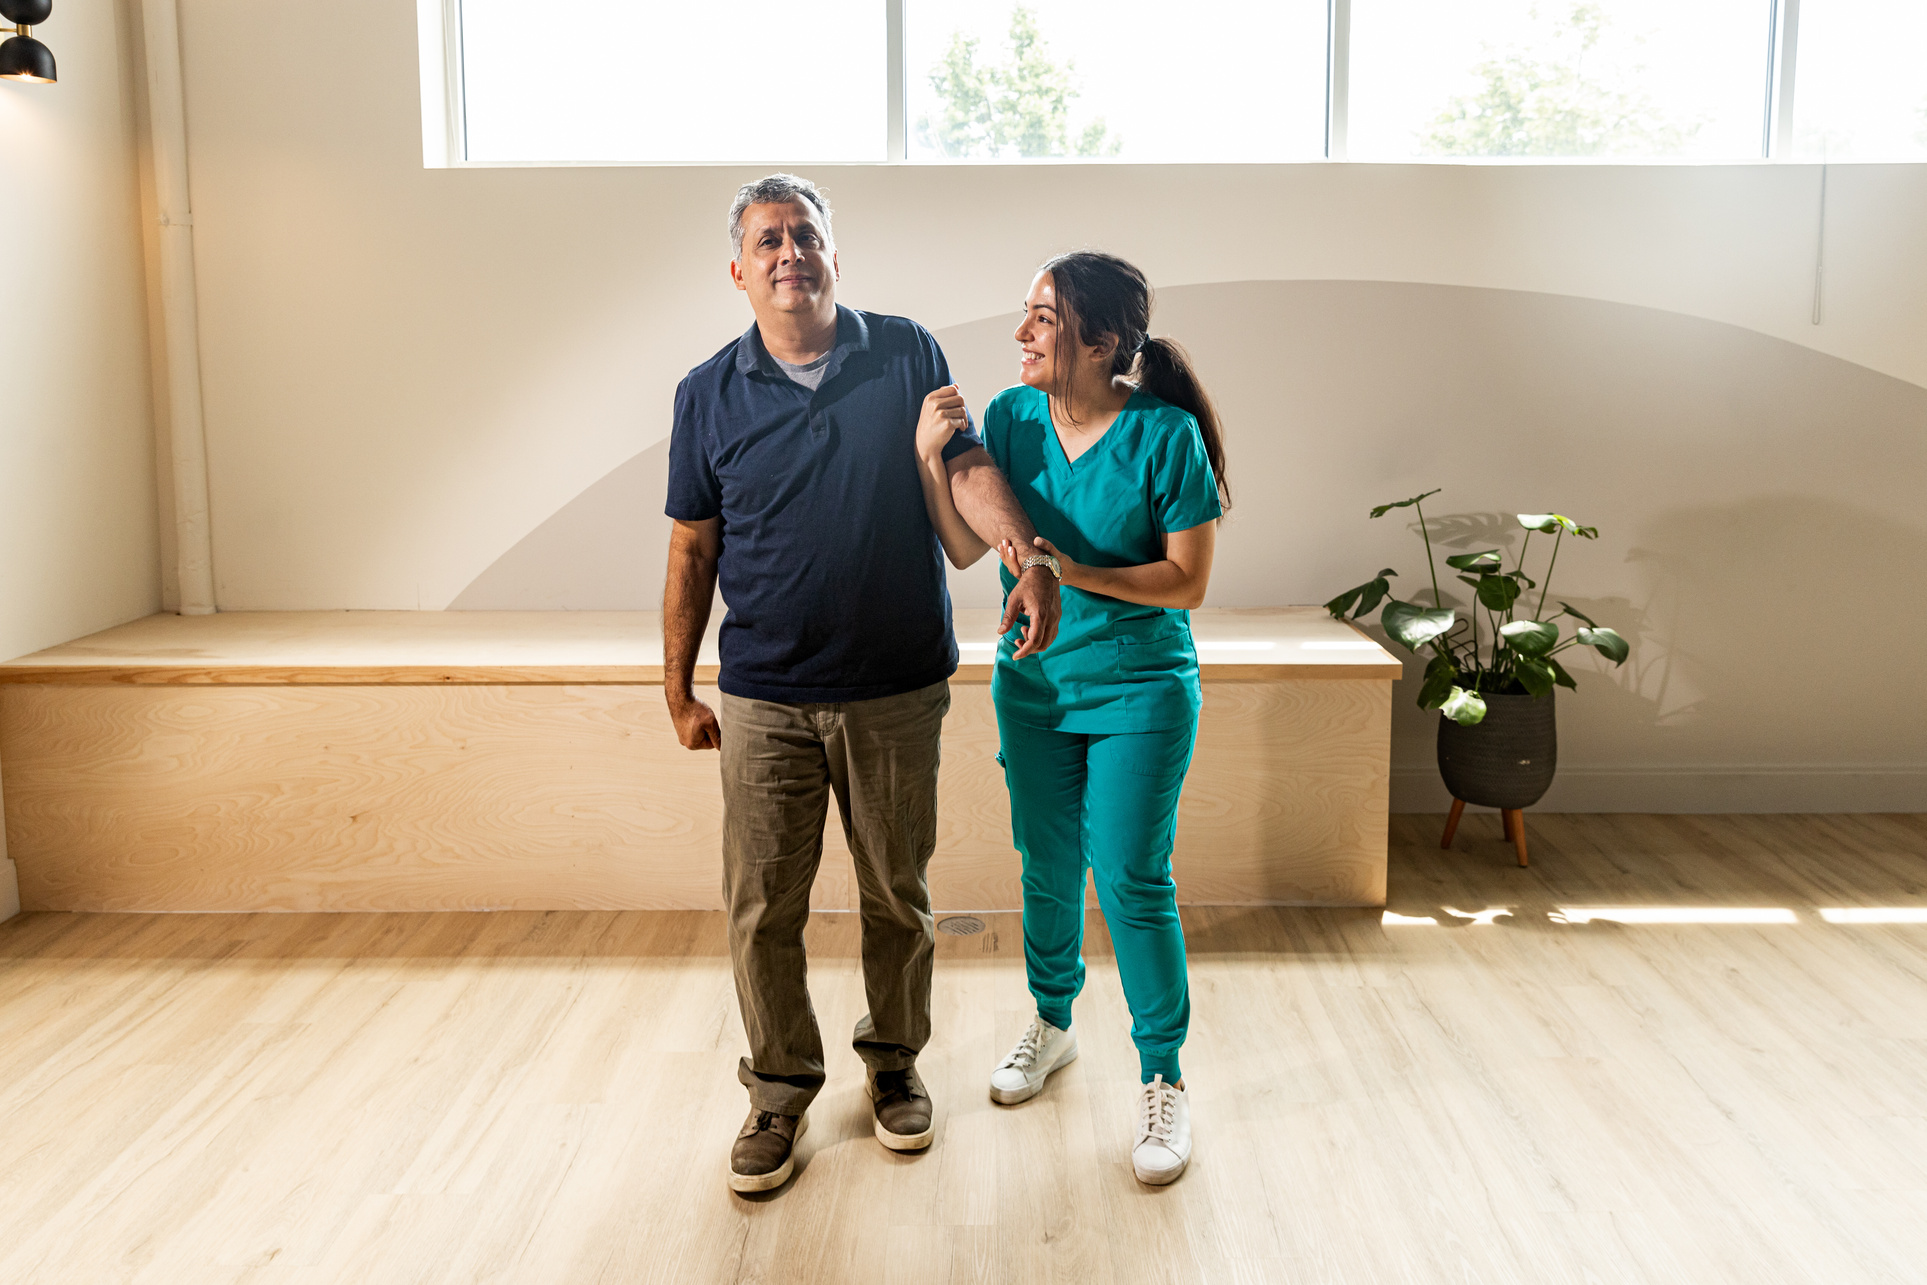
(445, 138)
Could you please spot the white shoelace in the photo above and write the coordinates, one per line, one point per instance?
(1160, 1106)
(1024, 1056)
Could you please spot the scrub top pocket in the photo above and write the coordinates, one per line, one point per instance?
(1166, 650)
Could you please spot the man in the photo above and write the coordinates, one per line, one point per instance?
(793, 478)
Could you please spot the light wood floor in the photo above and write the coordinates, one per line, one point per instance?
(549, 1097)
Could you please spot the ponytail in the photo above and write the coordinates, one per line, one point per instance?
(1164, 371)
(1100, 294)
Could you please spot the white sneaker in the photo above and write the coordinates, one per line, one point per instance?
(1163, 1146)
(1043, 1049)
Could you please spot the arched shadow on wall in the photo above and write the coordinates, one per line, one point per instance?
(1757, 503)
(605, 550)
(1756, 499)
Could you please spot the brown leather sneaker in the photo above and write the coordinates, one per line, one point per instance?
(765, 1151)
(902, 1109)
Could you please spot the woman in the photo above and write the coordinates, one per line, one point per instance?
(1116, 454)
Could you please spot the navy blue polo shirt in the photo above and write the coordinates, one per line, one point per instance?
(831, 571)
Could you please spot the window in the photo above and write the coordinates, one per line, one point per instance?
(1551, 78)
(1010, 81)
(619, 80)
(1130, 80)
(1860, 92)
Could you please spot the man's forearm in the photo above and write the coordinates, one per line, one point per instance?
(688, 591)
(984, 499)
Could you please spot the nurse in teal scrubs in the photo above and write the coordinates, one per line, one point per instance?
(1115, 452)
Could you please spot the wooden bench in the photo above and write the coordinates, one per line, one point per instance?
(303, 761)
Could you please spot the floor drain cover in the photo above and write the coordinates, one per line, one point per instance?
(961, 925)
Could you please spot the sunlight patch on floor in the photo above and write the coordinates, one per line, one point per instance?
(1876, 915)
(1675, 915)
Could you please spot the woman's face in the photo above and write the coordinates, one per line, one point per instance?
(1037, 336)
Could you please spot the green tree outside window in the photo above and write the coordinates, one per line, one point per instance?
(1019, 106)
(1547, 102)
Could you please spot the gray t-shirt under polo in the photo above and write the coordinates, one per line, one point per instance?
(810, 374)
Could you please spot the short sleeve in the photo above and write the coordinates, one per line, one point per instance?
(996, 428)
(694, 493)
(937, 374)
(1184, 489)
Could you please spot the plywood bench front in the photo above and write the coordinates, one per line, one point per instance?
(473, 760)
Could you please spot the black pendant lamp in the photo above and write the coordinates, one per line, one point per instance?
(23, 57)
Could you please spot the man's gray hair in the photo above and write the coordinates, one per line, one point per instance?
(775, 190)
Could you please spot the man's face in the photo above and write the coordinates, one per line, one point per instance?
(787, 263)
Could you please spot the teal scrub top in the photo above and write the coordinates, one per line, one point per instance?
(1115, 666)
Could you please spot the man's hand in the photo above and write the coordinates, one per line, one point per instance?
(1013, 558)
(696, 725)
(1035, 595)
(944, 416)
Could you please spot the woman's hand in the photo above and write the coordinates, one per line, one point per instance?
(944, 416)
(1177, 582)
(1014, 555)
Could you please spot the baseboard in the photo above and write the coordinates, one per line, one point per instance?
(9, 890)
(1700, 788)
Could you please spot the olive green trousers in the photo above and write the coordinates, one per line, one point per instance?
(781, 765)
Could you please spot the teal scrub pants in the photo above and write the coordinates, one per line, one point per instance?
(1107, 803)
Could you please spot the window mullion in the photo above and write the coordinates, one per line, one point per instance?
(457, 93)
(898, 147)
(1338, 77)
(1786, 53)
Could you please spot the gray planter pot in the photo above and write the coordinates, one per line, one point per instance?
(1507, 760)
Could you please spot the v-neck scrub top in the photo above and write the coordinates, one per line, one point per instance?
(1115, 666)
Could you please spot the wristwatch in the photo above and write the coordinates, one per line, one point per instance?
(1043, 560)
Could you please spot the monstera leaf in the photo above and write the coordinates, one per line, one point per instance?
(1498, 593)
(1463, 707)
(1412, 626)
(1607, 643)
(1535, 674)
(1367, 596)
(1547, 523)
(1483, 562)
(1381, 510)
(1441, 680)
(1530, 637)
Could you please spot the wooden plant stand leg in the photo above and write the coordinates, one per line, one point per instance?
(1515, 829)
(1452, 822)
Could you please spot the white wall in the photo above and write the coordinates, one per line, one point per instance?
(410, 372)
(78, 545)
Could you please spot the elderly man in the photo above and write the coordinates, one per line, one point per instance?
(793, 479)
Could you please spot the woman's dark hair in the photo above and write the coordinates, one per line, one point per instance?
(1100, 294)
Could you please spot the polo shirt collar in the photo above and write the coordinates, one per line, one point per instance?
(852, 335)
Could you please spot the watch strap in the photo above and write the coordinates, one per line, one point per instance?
(1043, 560)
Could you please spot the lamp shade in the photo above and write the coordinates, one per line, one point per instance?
(24, 58)
(26, 13)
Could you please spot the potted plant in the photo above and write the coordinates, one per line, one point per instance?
(1498, 745)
